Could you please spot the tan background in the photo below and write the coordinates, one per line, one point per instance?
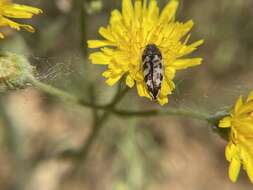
(156, 153)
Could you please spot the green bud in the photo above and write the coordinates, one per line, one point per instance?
(14, 71)
(94, 6)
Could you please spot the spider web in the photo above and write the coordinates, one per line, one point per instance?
(189, 94)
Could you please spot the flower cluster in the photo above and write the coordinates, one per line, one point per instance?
(9, 10)
(130, 31)
(239, 150)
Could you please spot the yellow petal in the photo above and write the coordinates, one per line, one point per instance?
(138, 10)
(106, 74)
(16, 26)
(234, 169)
(129, 81)
(106, 33)
(10, 10)
(244, 126)
(169, 12)
(108, 51)
(20, 11)
(153, 11)
(1, 35)
(127, 11)
(162, 100)
(230, 151)
(249, 170)
(142, 90)
(185, 29)
(185, 63)
(238, 104)
(170, 73)
(185, 50)
(99, 58)
(225, 122)
(246, 108)
(116, 17)
(112, 80)
(250, 97)
(99, 43)
(167, 88)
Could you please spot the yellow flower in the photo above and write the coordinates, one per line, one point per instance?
(129, 33)
(9, 10)
(239, 150)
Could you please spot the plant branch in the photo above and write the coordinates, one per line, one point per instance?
(126, 113)
(82, 153)
(212, 119)
(61, 94)
(111, 108)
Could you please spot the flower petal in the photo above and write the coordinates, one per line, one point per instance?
(162, 100)
(167, 87)
(112, 80)
(185, 50)
(185, 63)
(138, 10)
(20, 11)
(153, 11)
(169, 12)
(249, 170)
(130, 81)
(142, 91)
(234, 169)
(127, 11)
(238, 104)
(225, 122)
(250, 97)
(106, 33)
(230, 151)
(246, 108)
(170, 73)
(99, 58)
(99, 43)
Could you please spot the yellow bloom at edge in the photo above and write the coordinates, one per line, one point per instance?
(130, 31)
(9, 10)
(239, 150)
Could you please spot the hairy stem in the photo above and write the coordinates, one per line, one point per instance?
(97, 127)
(170, 111)
(100, 122)
(61, 94)
(111, 108)
(210, 118)
(65, 96)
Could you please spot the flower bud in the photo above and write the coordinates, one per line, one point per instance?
(14, 71)
(94, 6)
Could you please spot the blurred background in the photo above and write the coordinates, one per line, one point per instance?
(37, 131)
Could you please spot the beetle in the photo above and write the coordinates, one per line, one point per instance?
(152, 66)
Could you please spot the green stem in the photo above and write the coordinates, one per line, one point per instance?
(64, 96)
(172, 112)
(126, 113)
(98, 125)
(82, 155)
(100, 122)
(111, 109)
